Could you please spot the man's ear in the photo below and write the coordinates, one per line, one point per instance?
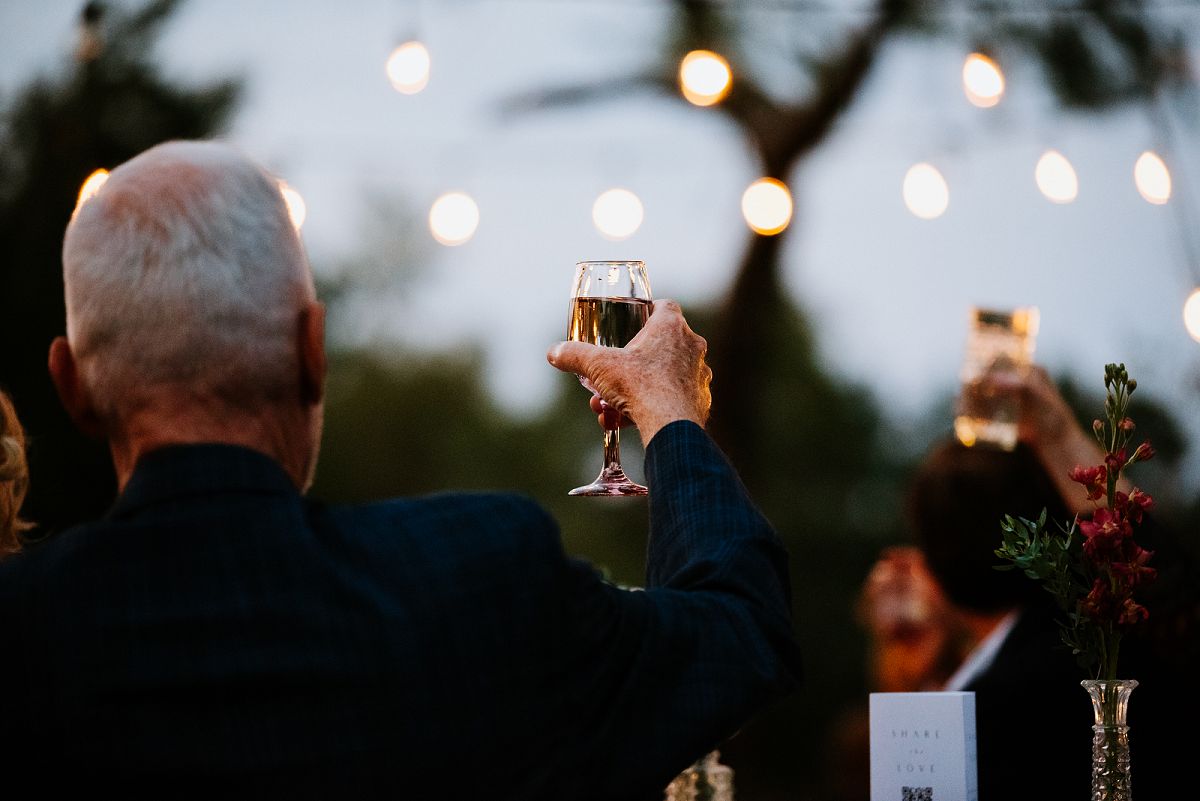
(311, 346)
(71, 392)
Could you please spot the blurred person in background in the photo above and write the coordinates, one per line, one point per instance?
(939, 616)
(1031, 714)
(1032, 717)
(14, 478)
(917, 638)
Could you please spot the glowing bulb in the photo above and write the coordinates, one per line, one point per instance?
(704, 77)
(1056, 177)
(408, 68)
(296, 208)
(767, 206)
(983, 82)
(925, 191)
(91, 186)
(1191, 314)
(1152, 177)
(453, 218)
(617, 213)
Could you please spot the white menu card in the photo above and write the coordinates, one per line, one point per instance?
(923, 747)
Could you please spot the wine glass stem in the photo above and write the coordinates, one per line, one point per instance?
(612, 449)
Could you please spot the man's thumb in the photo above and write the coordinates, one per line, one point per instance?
(571, 356)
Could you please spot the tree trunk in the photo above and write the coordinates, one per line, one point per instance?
(751, 317)
(740, 351)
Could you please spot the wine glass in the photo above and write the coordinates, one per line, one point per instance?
(610, 302)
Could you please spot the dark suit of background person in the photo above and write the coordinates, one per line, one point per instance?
(220, 635)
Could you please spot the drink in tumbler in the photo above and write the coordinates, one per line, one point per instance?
(999, 351)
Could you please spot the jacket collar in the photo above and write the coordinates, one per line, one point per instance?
(178, 471)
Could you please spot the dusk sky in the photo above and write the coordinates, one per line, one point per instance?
(887, 292)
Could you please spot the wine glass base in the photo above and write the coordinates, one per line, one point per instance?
(628, 488)
(611, 483)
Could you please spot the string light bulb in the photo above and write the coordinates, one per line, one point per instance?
(925, 191)
(704, 77)
(408, 68)
(983, 82)
(1152, 178)
(296, 207)
(1056, 177)
(767, 206)
(91, 185)
(1191, 314)
(453, 218)
(617, 214)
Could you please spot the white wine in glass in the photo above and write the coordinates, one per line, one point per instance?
(610, 302)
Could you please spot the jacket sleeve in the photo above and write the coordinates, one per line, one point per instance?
(675, 669)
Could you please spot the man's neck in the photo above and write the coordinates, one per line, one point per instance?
(289, 439)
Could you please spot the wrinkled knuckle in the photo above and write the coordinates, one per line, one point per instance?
(603, 361)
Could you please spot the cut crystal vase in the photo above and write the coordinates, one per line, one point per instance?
(706, 780)
(1110, 738)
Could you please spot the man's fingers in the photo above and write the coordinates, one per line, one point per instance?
(610, 419)
(608, 416)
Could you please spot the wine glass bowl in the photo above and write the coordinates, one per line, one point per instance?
(610, 302)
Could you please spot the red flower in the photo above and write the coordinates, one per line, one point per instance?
(1095, 479)
(1131, 613)
(1136, 504)
(1104, 534)
(1115, 461)
(1095, 583)
(1135, 569)
(1100, 603)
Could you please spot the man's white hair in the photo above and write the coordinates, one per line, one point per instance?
(184, 272)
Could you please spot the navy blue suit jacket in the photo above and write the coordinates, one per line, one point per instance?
(219, 635)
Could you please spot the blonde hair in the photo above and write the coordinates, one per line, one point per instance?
(14, 478)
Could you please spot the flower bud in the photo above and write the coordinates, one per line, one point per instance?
(1127, 425)
(1098, 426)
(1143, 453)
(1132, 384)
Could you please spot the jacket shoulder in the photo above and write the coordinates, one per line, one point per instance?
(485, 521)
